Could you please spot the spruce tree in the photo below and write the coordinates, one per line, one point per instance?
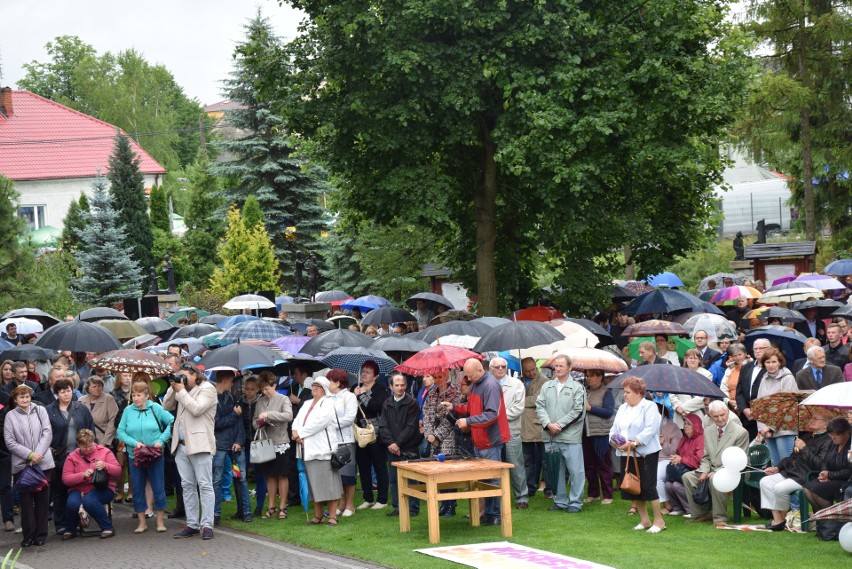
(74, 223)
(127, 191)
(341, 267)
(12, 255)
(109, 273)
(204, 229)
(159, 209)
(265, 164)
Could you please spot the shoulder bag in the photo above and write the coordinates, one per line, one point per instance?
(261, 449)
(631, 482)
(367, 434)
(341, 456)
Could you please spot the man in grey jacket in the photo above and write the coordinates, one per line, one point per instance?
(561, 406)
(513, 399)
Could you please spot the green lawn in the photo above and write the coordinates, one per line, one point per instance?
(600, 533)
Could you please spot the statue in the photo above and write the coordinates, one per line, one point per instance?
(155, 285)
(313, 276)
(739, 250)
(300, 267)
(169, 270)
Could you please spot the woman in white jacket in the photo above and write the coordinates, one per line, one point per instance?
(346, 406)
(315, 431)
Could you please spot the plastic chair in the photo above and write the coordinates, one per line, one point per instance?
(758, 460)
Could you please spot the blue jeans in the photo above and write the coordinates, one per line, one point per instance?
(259, 479)
(413, 503)
(93, 502)
(492, 505)
(219, 462)
(153, 473)
(573, 455)
(780, 448)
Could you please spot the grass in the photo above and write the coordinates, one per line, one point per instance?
(600, 533)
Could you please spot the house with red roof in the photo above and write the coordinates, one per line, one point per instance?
(53, 153)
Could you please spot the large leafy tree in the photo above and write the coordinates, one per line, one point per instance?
(204, 227)
(54, 78)
(265, 165)
(526, 135)
(108, 271)
(126, 187)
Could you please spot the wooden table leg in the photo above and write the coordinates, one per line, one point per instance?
(506, 503)
(432, 510)
(475, 511)
(404, 512)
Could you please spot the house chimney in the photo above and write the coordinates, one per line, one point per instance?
(6, 101)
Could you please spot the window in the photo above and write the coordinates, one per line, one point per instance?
(33, 216)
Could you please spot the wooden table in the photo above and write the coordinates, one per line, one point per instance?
(424, 480)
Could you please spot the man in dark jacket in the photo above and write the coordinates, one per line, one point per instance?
(19, 371)
(399, 432)
(230, 437)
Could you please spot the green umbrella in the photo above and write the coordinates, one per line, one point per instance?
(184, 313)
(44, 236)
(681, 345)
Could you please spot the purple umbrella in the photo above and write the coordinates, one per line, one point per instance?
(291, 344)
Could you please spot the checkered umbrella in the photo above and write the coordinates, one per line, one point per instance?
(351, 359)
(436, 359)
(840, 512)
(133, 361)
(255, 330)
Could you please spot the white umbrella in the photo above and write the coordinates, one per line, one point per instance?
(546, 351)
(789, 295)
(457, 340)
(714, 324)
(834, 395)
(576, 335)
(593, 358)
(249, 301)
(25, 325)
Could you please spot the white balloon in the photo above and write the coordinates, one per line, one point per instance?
(734, 458)
(725, 479)
(846, 537)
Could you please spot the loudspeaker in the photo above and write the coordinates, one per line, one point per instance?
(150, 307)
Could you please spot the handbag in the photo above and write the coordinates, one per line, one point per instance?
(631, 482)
(701, 494)
(100, 479)
(364, 435)
(341, 456)
(261, 450)
(675, 472)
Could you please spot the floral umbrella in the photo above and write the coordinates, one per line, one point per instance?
(133, 361)
(654, 328)
(781, 410)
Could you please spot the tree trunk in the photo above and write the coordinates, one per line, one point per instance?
(629, 269)
(805, 126)
(484, 200)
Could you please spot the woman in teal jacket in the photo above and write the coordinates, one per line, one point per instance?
(145, 423)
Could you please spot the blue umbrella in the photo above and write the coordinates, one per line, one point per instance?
(232, 321)
(304, 489)
(366, 303)
(792, 343)
(666, 279)
(663, 301)
(841, 267)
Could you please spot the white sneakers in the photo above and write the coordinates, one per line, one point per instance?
(366, 505)
(347, 513)
(378, 506)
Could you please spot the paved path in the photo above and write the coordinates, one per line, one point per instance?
(230, 549)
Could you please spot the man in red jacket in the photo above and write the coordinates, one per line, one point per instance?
(486, 418)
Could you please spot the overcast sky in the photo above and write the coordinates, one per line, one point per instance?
(193, 39)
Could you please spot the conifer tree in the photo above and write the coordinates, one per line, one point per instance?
(128, 198)
(204, 228)
(252, 215)
(159, 209)
(11, 252)
(74, 223)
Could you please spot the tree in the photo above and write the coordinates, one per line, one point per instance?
(521, 134)
(74, 223)
(340, 267)
(128, 199)
(159, 209)
(12, 255)
(252, 215)
(55, 79)
(109, 272)
(265, 165)
(204, 228)
(247, 259)
(393, 256)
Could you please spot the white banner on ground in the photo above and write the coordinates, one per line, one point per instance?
(505, 555)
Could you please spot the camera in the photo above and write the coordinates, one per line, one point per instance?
(175, 378)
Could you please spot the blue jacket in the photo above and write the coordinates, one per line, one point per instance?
(228, 426)
(149, 425)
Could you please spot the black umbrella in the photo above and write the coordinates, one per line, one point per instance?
(212, 319)
(194, 331)
(27, 352)
(397, 343)
(78, 336)
(604, 337)
(518, 335)
(455, 327)
(431, 299)
(620, 294)
(784, 314)
(493, 321)
(321, 324)
(845, 312)
(304, 361)
(332, 296)
(327, 341)
(671, 379)
(46, 319)
(824, 308)
(238, 356)
(387, 315)
(101, 313)
(155, 325)
(663, 301)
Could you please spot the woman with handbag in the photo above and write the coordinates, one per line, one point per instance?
(28, 434)
(635, 433)
(346, 407)
(89, 473)
(145, 423)
(272, 414)
(372, 457)
(315, 430)
(686, 457)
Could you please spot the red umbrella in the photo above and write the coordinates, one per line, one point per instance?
(654, 327)
(537, 313)
(436, 359)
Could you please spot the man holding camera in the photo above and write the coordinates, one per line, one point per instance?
(194, 444)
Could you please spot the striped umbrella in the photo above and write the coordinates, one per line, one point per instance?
(732, 293)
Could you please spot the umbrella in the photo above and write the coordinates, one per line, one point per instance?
(249, 302)
(638, 288)
(714, 325)
(665, 279)
(451, 315)
(732, 293)
(476, 328)
(460, 341)
(791, 341)
(291, 344)
(328, 341)
(720, 280)
(839, 512)
(671, 379)
(133, 361)
(101, 313)
(4, 344)
(352, 359)
(516, 335)
(155, 325)
(397, 343)
(545, 351)
(194, 331)
(302, 360)
(231, 321)
(46, 319)
(604, 337)
(764, 313)
(332, 295)
(493, 321)
(437, 359)
(789, 292)
(781, 410)
(681, 346)
(31, 479)
(707, 294)
(78, 336)
(190, 345)
(27, 353)
(24, 325)
(237, 357)
(323, 325)
(620, 294)
(837, 395)
(845, 312)
(183, 312)
(142, 341)
(213, 339)
(304, 489)
(122, 329)
(280, 301)
(822, 282)
(213, 319)
(255, 330)
(574, 333)
(824, 308)
(432, 300)
(654, 328)
(387, 315)
(841, 267)
(704, 307)
(366, 303)
(592, 358)
(341, 321)
(537, 314)
(784, 279)
(662, 301)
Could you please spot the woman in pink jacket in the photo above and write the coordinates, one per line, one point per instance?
(81, 474)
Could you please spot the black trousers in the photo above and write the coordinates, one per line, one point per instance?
(34, 512)
(373, 458)
(59, 495)
(6, 500)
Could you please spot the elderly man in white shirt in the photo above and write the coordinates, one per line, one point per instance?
(514, 394)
